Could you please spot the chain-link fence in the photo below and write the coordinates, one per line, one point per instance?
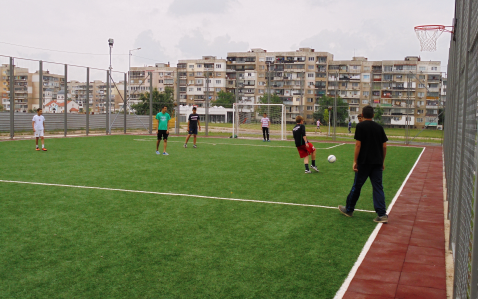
(460, 148)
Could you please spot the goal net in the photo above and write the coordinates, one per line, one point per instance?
(247, 120)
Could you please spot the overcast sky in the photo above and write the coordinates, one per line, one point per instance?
(168, 30)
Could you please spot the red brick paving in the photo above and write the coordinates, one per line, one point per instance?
(407, 258)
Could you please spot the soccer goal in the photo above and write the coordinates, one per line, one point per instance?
(247, 120)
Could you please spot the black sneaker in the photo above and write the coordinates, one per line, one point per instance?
(382, 219)
(343, 210)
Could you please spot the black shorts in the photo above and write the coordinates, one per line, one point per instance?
(193, 131)
(162, 135)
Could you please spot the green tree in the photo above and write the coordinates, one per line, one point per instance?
(378, 112)
(160, 100)
(225, 99)
(325, 102)
(274, 112)
(441, 116)
(325, 117)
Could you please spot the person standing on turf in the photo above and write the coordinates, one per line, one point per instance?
(265, 127)
(350, 126)
(163, 118)
(38, 124)
(369, 158)
(318, 126)
(193, 123)
(304, 147)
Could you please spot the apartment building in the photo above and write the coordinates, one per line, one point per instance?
(408, 90)
(297, 77)
(22, 89)
(163, 75)
(52, 84)
(199, 78)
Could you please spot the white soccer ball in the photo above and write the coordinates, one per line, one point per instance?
(331, 158)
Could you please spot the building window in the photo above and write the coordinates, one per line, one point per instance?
(199, 65)
(310, 108)
(366, 93)
(421, 94)
(310, 100)
(421, 85)
(269, 58)
(434, 68)
(311, 58)
(218, 89)
(191, 66)
(366, 77)
(419, 120)
(198, 89)
(160, 81)
(422, 68)
(365, 102)
(218, 81)
(218, 66)
(310, 67)
(310, 75)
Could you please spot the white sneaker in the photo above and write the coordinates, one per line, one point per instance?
(165, 154)
(157, 153)
(314, 168)
(185, 145)
(308, 171)
(194, 146)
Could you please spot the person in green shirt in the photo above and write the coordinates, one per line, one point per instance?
(163, 118)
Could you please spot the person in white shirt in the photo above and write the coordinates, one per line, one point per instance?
(38, 124)
(265, 127)
(318, 126)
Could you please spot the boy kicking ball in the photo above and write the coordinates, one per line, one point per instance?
(304, 147)
(38, 124)
(193, 123)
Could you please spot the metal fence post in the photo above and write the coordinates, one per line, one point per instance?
(207, 104)
(65, 102)
(178, 103)
(150, 74)
(87, 101)
(40, 83)
(107, 102)
(125, 100)
(12, 99)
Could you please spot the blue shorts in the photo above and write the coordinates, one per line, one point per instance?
(193, 131)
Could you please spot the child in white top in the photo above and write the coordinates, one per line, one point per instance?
(265, 127)
(38, 124)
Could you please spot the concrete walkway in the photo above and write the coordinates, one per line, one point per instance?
(407, 258)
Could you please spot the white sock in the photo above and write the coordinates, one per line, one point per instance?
(42, 146)
(37, 145)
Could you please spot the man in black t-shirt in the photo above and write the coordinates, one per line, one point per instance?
(304, 147)
(193, 123)
(369, 157)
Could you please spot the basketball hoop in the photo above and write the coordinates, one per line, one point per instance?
(428, 35)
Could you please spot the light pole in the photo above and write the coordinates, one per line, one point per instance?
(129, 79)
(110, 43)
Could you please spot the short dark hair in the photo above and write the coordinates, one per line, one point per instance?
(165, 106)
(194, 108)
(39, 109)
(360, 115)
(367, 112)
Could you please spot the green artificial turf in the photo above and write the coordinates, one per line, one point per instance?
(84, 243)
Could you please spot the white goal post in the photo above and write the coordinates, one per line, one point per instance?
(246, 120)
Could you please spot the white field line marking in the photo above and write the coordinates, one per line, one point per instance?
(341, 292)
(177, 194)
(245, 144)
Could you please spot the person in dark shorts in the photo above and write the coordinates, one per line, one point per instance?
(304, 147)
(369, 158)
(193, 124)
(163, 118)
(266, 123)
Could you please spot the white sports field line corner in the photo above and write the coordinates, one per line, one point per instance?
(176, 194)
(341, 292)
